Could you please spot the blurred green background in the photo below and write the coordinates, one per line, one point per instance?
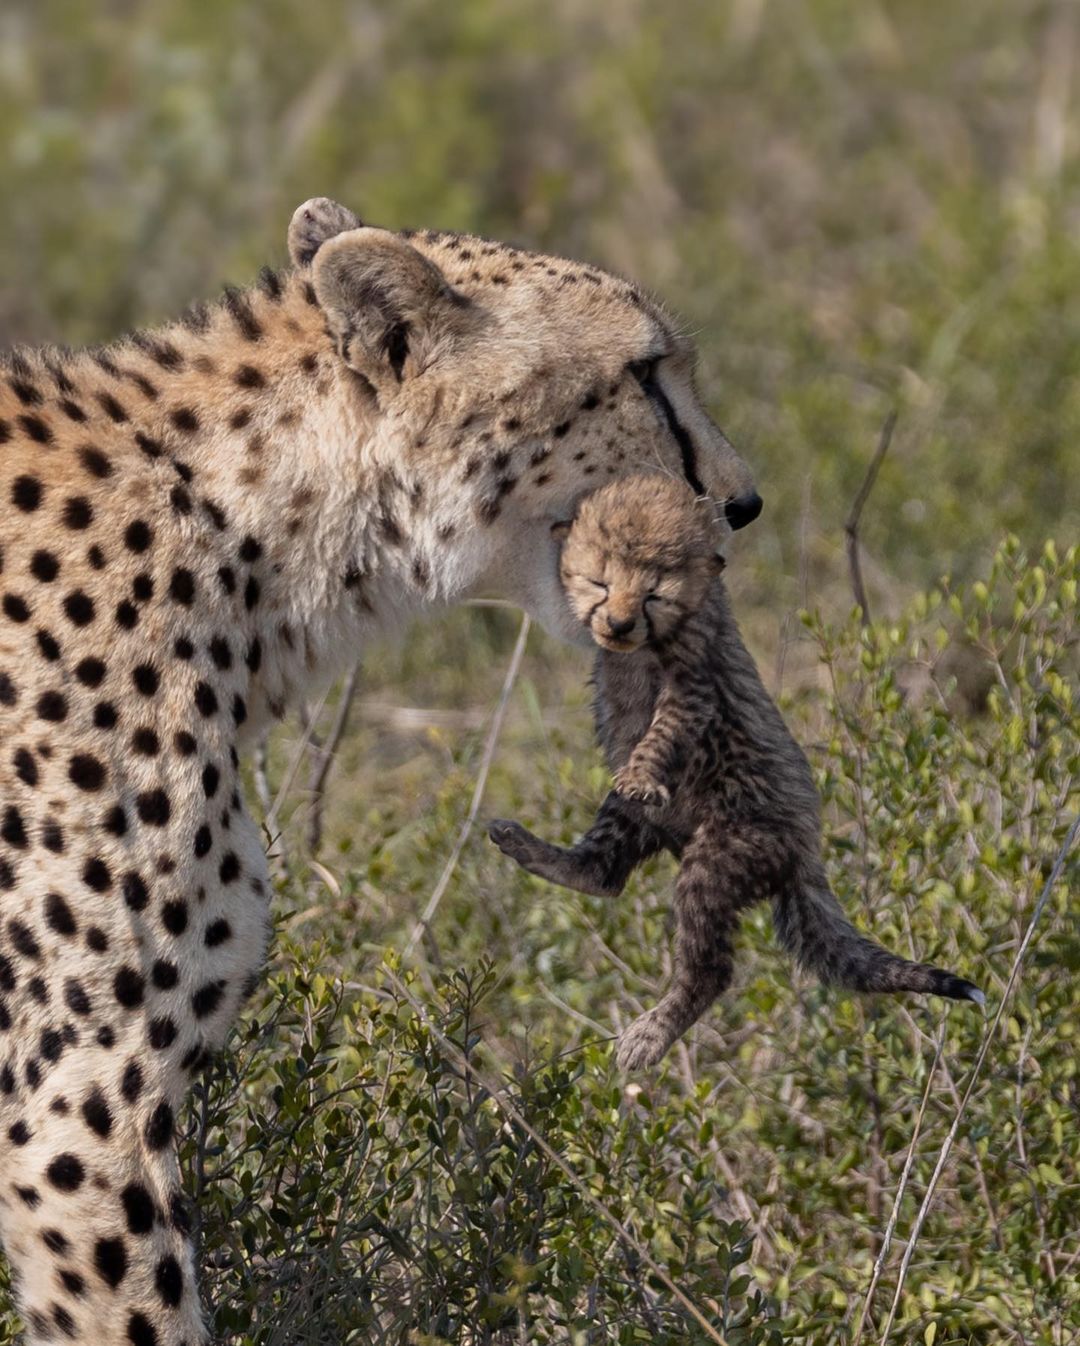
(857, 207)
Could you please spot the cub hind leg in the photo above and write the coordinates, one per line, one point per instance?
(725, 868)
(600, 863)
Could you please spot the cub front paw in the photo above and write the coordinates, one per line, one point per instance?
(511, 838)
(633, 783)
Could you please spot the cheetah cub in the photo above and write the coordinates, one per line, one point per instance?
(703, 763)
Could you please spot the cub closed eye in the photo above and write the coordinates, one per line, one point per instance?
(598, 584)
(655, 598)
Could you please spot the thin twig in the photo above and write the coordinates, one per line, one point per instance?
(510, 1110)
(851, 527)
(946, 1148)
(436, 897)
(270, 822)
(901, 1188)
(324, 757)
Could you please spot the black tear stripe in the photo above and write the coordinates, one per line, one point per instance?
(655, 393)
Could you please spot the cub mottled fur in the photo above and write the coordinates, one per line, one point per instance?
(703, 764)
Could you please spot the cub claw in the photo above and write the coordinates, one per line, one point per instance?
(633, 784)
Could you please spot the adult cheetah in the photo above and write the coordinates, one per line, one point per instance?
(195, 524)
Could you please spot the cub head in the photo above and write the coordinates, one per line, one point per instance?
(511, 384)
(638, 560)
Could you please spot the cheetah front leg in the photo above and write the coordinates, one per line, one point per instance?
(94, 1222)
(651, 775)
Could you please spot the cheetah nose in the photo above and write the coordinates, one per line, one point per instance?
(621, 628)
(743, 509)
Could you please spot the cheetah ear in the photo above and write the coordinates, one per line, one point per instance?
(391, 311)
(717, 563)
(313, 223)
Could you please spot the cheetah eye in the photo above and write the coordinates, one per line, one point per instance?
(644, 371)
(598, 584)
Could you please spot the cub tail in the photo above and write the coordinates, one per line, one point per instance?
(812, 926)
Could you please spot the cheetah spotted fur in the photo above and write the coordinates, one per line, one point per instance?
(197, 524)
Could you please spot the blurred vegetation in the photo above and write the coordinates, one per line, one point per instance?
(856, 206)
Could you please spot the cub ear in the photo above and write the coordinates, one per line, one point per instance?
(560, 531)
(391, 311)
(313, 223)
(717, 563)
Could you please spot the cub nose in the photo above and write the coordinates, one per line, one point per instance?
(621, 628)
(743, 509)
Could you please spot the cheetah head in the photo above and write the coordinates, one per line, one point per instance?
(510, 384)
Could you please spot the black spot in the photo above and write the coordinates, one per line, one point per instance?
(111, 1261)
(44, 566)
(217, 933)
(115, 821)
(38, 990)
(72, 1282)
(127, 615)
(58, 915)
(131, 1082)
(29, 1196)
(138, 1207)
(247, 376)
(180, 498)
(206, 699)
(52, 836)
(25, 766)
(220, 652)
(19, 1133)
(7, 875)
(86, 772)
(129, 987)
(52, 1044)
(159, 1126)
(153, 807)
(184, 743)
(55, 1241)
(183, 648)
(48, 646)
(169, 1281)
(78, 513)
(211, 778)
(142, 588)
(66, 1173)
(164, 975)
(72, 410)
(207, 998)
(270, 283)
(251, 593)
(162, 1033)
(52, 706)
(97, 940)
(111, 407)
(227, 578)
(22, 939)
(8, 696)
(229, 869)
(239, 711)
(146, 679)
(140, 1331)
(11, 828)
(174, 916)
(105, 715)
(253, 659)
(96, 875)
(63, 1320)
(27, 394)
(250, 550)
(90, 672)
(75, 997)
(185, 419)
(162, 352)
(95, 461)
(36, 428)
(96, 1113)
(16, 608)
(138, 536)
(79, 608)
(145, 742)
(203, 842)
(182, 587)
(135, 891)
(240, 418)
